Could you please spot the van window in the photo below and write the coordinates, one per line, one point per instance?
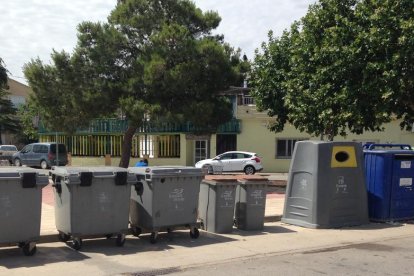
(26, 149)
(36, 148)
(62, 148)
(43, 149)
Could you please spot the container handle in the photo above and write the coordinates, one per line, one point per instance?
(401, 146)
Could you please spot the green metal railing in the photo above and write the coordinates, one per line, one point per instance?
(119, 126)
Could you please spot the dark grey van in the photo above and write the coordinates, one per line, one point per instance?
(41, 155)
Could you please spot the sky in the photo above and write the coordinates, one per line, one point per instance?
(33, 28)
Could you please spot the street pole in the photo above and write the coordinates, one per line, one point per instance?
(57, 150)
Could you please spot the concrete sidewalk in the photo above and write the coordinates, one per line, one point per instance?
(178, 252)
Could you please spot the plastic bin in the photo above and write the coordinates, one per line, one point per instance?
(216, 203)
(250, 203)
(164, 198)
(389, 175)
(20, 207)
(91, 201)
(326, 185)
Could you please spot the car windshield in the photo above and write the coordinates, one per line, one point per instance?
(61, 149)
(8, 148)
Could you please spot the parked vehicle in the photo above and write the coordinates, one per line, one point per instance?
(6, 152)
(232, 161)
(41, 155)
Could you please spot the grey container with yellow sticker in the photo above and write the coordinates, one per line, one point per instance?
(326, 185)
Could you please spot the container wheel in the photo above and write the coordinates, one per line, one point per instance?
(63, 237)
(195, 233)
(29, 249)
(153, 237)
(120, 240)
(21, 244)
(77, 244)
(136, 231)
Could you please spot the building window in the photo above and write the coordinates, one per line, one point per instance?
(201, 150)
(285, 147)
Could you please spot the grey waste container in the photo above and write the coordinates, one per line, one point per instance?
(20, 207)
(216, 203)
(250, 203)
(91, 201)
(326, 185)
(163, 198)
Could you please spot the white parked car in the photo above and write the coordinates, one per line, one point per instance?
(232, 161)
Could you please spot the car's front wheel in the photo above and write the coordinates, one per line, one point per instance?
(249, 170)
(209, 169)
(17, 162)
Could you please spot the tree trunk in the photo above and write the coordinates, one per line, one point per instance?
(126, 146)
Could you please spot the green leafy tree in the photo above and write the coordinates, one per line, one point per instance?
(155, 59)
(338, 68)
(8, 119)
(28, 114)
(385, 44)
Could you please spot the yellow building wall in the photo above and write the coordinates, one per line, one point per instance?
(190, 152)
(213, 146)
(256, 137)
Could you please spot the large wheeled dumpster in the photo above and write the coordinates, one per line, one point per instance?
(91, 201)
(20, 207)
(164, 198)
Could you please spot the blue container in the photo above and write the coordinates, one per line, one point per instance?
(389, 171)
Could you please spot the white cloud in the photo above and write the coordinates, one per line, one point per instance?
(32, 28)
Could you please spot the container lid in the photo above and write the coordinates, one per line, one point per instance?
(390, 152)
(18, 173)
(248, 179)
(220, 182)
(167, 171)
(84, 175)
(97, 171)
(221, 178)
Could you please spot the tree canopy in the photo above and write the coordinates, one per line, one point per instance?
(8, 119)
(346, 66)
(153, 58)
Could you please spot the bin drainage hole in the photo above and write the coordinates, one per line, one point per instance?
(341, 156)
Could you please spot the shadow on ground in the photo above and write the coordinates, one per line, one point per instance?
(12, 257)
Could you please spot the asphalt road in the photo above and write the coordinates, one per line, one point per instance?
(389, 257)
